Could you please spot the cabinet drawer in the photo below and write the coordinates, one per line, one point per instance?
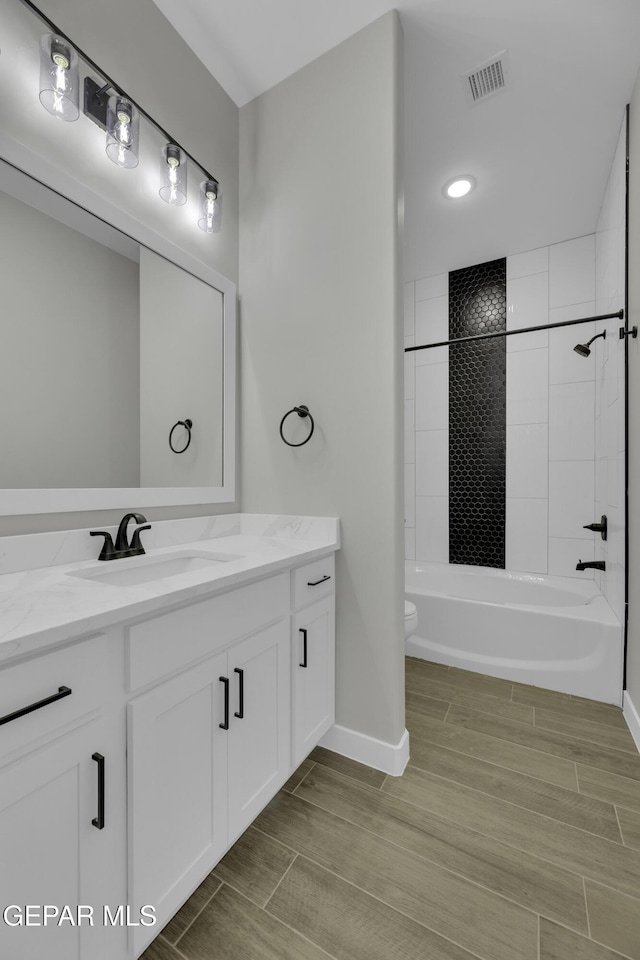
(81, 667)
(173, 640)
(313, 580)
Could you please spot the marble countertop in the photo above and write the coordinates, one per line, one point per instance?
(43, 606)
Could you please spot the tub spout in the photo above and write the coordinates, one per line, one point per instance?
(591, 565)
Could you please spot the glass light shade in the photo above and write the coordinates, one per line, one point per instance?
(123, 132)
(211, 206)
(173, 172)
(59, 79)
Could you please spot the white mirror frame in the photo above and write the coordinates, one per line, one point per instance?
(30, 501)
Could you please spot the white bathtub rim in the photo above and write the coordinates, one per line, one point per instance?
(597, 611)
(582, 588)
(591, 604)
(423, 566)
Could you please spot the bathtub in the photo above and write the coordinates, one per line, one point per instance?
(553, 632)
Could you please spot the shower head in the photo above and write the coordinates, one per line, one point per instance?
(584, 349)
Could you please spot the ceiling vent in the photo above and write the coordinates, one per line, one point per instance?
(488, 78)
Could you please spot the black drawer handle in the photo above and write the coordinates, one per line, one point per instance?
(240, 711)
(316, 582)
(62, 692)
(99, 820)
(304, 647)
(225, 725)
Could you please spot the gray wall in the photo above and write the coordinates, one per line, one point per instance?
(180, 376)
(321, 324)
(633, 649)
(64, 346)
(135, 44)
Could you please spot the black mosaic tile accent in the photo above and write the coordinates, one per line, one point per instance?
(477, 415)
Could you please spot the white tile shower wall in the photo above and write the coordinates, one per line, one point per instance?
(527, 458)
(610, 284)
(551, 395)
(549, 391)
(427, 520)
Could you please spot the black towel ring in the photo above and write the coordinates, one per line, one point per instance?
(187, 424)
(302, 411)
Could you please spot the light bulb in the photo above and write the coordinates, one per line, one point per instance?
(210, 221)
(59, 84)
(173, 173)
(123, 131)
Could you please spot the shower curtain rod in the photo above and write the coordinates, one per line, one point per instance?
(511, 333)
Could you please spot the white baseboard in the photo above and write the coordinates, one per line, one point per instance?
(632, 717)
(391, 758)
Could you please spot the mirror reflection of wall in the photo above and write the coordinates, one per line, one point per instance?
(80, 405)
(69, 363)
(180, 375)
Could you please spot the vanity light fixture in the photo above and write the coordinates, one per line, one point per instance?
(173, 172)
(59, 86)
(123, 132)
(211, 206)
(108, 106)
(459, 186)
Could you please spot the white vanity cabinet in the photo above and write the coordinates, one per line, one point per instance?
(196, 714)
(177, 789)
(313, 655)
(61, 822)
(259, 725)
(209, 747)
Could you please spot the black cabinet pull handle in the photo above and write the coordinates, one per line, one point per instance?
(304, 647)
(315, 583)
(99, 820)
(225, 681)
(62, 692)
(240, 711)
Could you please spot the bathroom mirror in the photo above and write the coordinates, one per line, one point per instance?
(117, 368)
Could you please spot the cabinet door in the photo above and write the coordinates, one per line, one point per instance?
(177, 789)
(259, 736)
(313, 668)
(52, 854)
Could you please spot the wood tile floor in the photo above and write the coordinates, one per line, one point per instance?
(514, 834)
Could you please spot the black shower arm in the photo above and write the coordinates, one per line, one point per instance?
(597, 337)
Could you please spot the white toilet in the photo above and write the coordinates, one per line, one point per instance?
(410, 619)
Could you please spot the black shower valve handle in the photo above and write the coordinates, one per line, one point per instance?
(630, 332)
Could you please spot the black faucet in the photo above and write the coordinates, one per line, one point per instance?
(591, 565)
(122, 547)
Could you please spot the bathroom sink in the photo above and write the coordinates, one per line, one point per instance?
(135, 570)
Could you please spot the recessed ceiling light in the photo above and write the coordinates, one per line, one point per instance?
(459, 186)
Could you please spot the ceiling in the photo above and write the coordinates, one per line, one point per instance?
(540, 149)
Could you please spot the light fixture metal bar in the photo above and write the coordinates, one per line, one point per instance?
(111, 83)
(511, 333)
